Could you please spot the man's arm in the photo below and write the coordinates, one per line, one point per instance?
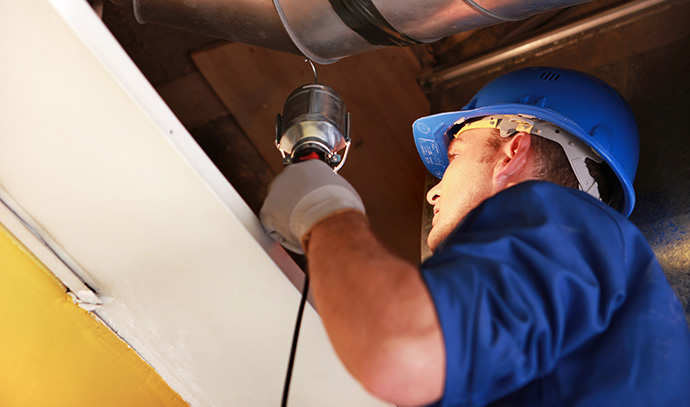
(375, 307)
(377, 311)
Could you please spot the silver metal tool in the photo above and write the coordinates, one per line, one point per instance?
(314, 125)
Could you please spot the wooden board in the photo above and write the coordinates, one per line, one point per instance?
(381, 92)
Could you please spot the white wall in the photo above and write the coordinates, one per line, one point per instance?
(97, 165)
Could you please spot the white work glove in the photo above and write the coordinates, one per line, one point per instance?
(302, 195)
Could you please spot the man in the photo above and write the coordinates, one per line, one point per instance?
(537, 294)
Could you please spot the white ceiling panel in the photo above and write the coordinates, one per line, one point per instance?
(99, 168)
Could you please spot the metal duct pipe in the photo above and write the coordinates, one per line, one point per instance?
(328, 30)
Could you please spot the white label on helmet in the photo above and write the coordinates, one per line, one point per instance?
(430, 151)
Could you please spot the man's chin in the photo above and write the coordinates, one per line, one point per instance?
(437, 234)
(432, 242)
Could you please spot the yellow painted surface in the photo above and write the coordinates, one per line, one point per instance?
(53, 353)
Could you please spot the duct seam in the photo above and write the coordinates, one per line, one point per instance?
(365, 19)
(489, 13)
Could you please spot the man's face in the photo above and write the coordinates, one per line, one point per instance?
(467, 182)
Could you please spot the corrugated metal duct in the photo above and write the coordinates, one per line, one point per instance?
(328, 30)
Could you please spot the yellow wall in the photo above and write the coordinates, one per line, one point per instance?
(53, 353)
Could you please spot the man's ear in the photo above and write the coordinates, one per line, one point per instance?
(514, 159)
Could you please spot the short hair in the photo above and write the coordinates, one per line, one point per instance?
(552, 165)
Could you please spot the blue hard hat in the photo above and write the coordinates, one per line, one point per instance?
(583, 105)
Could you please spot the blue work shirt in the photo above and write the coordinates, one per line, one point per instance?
(547, 297)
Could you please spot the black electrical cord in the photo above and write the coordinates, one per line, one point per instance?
(295, 337)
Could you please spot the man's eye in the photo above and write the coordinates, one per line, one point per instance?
(451, 156)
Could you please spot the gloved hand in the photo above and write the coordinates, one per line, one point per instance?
(302, 195)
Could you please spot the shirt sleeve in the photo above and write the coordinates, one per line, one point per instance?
(528, 277)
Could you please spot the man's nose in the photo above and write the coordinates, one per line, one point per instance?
(433, 194)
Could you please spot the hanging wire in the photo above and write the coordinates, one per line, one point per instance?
(313, 68)
(295, 337)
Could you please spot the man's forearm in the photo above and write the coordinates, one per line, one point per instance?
(377, 311)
